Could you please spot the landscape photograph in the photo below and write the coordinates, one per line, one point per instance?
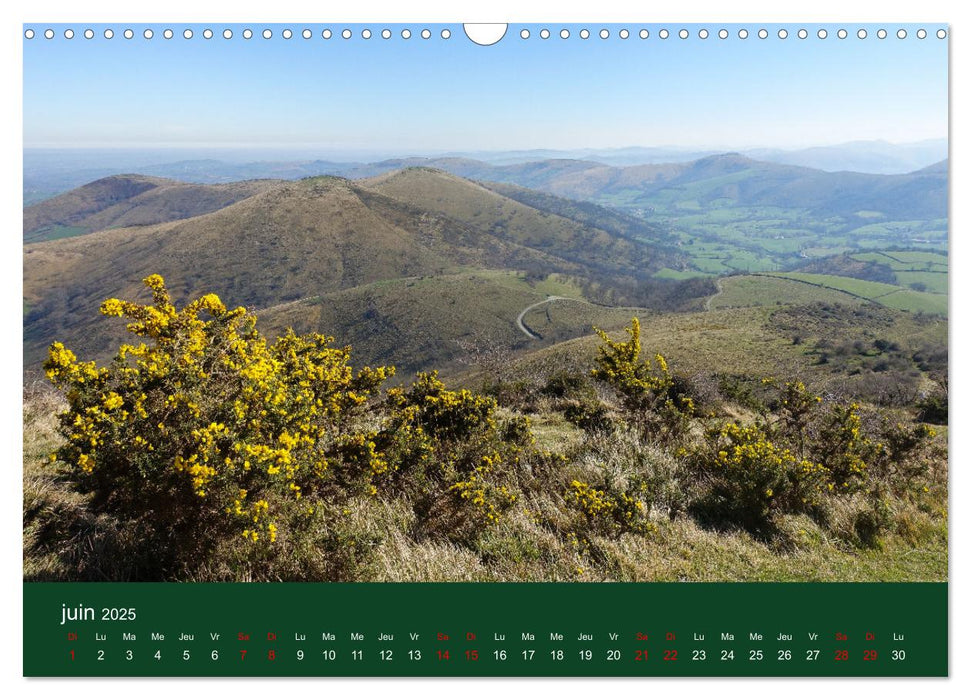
(355, 303)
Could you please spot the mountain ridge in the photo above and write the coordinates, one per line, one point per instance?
(134, 200)
(311, 237)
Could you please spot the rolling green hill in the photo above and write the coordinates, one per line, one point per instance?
(731, 213)
(611, 220)
(770, 289)
(743, 291)
(894, 296)
(919, 270)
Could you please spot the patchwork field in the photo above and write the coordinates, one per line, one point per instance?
(763, 290)
(894, 296)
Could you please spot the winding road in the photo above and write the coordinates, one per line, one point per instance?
(547, 300)
(718, 285)
(533, 336)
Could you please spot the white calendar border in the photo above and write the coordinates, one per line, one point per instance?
(708, 11)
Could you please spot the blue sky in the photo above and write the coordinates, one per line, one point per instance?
(435, 95)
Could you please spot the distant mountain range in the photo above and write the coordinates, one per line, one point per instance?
(878, 157)
(48, 172)
(732, 178)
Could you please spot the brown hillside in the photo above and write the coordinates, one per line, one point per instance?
(134, 200)
(294, 240)
(512, 221)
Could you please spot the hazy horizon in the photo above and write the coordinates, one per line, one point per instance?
(312, 146)
(440, 95)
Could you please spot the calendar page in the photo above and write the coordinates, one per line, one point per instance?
(543, 350)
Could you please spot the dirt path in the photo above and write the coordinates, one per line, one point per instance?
(283, 304)
(718, 285)
(519, 319)
(521, 325)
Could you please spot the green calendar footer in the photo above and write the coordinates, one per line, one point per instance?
(479, 629)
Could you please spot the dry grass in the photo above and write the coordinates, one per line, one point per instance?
(62, 539)
(379, 539)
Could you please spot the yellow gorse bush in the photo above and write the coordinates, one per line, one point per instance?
(443, 414)
(488, 499)
(758, 477)
(203, 433)
(646, 387)
(206, 424)
(619, 364)
(606, 512)
(846, 448)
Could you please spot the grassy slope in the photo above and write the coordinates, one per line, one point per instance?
(412, 323)
(293, 241)
(754, 342)
(887, 294)
(54, 232)
(732, 340)
(131, 200)
(907, 260)
(519, 549)
(419, 322)
(800, 288)
(752, 290)
(913, 268)
(570, 318)
(510, 220)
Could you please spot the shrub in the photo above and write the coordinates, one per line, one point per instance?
(446, 416)
(844, 449)
(604, 513)
(646, 388)
(903, 455)
(795, 409)
(933, 409)
(873, 521)
(640, 384)
(564, 384)
(591, 416)
(754, 479)
(746, 391)
(488, 497)
(205, 430)
(453, 456)
(624, 462)
(459, 505)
